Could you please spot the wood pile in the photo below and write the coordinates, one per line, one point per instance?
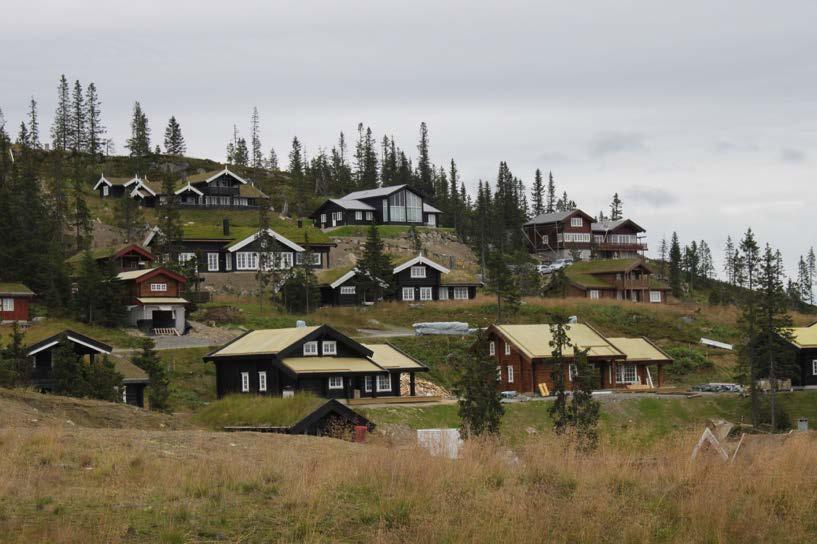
(422, 387)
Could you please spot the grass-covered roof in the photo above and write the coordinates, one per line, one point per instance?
(258, 411)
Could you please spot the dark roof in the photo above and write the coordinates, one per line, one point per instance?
(110, 252)
(329, 407)
(373, 193)
(608, 225)
(556, 217)
(73, 336)
(17, 289)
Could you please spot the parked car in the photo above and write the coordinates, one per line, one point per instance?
(559, 264)
(544, 268)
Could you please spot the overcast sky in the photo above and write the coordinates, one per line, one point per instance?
(702, 115)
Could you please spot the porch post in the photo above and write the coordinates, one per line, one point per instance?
(660, 375)
(374, 386)
(613, 373)
(411, 384)
(533, 387)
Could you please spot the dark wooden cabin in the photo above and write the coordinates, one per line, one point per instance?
(316, 359)
(110, 187)
(41, 354)
(124, 257)
(419, 279)
(804, 344)
(325, 420)
(15, 299)
(393, 205)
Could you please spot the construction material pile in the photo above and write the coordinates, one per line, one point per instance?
(422, 388)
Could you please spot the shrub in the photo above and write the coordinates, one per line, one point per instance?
(687, 360)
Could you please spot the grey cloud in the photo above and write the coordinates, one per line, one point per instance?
(610, 143)
(725, 145)
(653, 196)
(792, 155)
(553, 157)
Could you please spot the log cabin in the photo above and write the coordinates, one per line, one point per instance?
(153, 300)
(804, 344)
(134, 379)
(318, 359)
(393, 205)
(15, 300)
(123, 257)
(524, 358)
(617, 279)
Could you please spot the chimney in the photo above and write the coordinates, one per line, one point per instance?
(225, 225)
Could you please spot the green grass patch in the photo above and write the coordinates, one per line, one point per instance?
(192, 381)
(252, 410)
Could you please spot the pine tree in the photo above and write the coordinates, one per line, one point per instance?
(95, 130)
(375, 265)
(615, 208)
(174, 141)
(77, 131)
(83, 224)
(480, 409)
(691, 263)
(550, 203)
(537, 194)
(159, 389)
(139, 142)
(33, 125)
(301, 291)
(169, 222)
(729, 261)
(748, 321)
(501, 282)
(257, 157)
(424, 168)
(675, 266)
(129, 217)
(559, 343)
(61, 129)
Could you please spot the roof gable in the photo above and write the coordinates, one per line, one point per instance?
(559, 217)
(15, 289)
(253, 237)
(378, 192)
(208, 177)
(420, 259)
(140, 276)
(534, 340)
(608, 225)
(80, 339)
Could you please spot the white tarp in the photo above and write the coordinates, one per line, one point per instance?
(440, 442)
(442, 327)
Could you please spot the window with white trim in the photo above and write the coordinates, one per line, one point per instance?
(336, 382)
(442, 293)
(245, 382)
(329, 347)
(186, 256)
(594, 294)
(358, 216)
(626, 374)
(8, 304)
(655, 296)
(510, 374)
(418, 271)
(507, 348)
(499, 373)
(347, 290)
(491, 348)
(814, 367)
(576, 222)
(311, 348)
(246, 260)
(460, 293)
(383, 382)
(228, 262)
(262, 380)
(212, 262)
(367, 384)
(369, 216)
(314, 259)
(572, 371)
(408, 293)
(323, 218)
(105, 190)
(426, 293)
(158, 287)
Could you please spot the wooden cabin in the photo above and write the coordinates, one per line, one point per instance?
(322, 418)
(153, 300)
(41, 355)
(15, 299)
(111, 187)
(619, 239)
(316, 359)
(804, 344)
(616, 279)
(524, 358)
(124, 257)
(393, 205)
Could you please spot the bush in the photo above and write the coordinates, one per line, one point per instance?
(687, 360)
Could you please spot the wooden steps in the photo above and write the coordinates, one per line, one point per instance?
(166, 332)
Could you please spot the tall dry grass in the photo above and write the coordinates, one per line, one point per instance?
(141, 486)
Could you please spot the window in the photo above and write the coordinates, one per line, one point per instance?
(594, 294)
(329, 347)
(418, 271)
(583, 237)
(311, 348)
(383, 382)
(814, 367)
(367, 384)
(313, 259)
(626, 374)
(246, 260)
(492, 348)
(125, 394)
(442, 293)
(8, 304)
(385, 210)
(187, 256)
(397, 207)
(425, 293)
(336, 382)
(408, 293)
(358, 216)
(598, 238)
(105, 190)
(245, 382)
(414, 208)
(283, 260)
(369, 216)
(460, 293)
(212, 262)
(655, 296)
(572, 371)
(228, 262)
(347, 290)
(262, 380)
(158, 287)
(323, 218)
(507, 348)
(510, 374)
(299, 258)
(576, 222)
(499, 373)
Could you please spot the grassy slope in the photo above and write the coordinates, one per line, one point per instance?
(385, 231)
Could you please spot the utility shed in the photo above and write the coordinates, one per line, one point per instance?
(321, 418)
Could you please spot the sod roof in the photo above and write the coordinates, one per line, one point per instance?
(197, 231)
(460, 276)
(589, 274)
(326, 277)
(15, 289)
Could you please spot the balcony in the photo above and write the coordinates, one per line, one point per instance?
(633, 283)
(613, 246)
(221, 191)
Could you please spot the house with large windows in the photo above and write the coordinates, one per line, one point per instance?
(394, 205)
(317, 359)
(617, 279)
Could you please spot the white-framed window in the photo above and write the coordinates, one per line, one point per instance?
(442, 293)
(626, 374)
(311, 348)
(308, 258)
(655, 296)
(8, 304)
(507, 348)
(814, 367)
(460, 293)
(336, 382)
(329, 347)
(418, 271)
(186, 256)
(323, 218)
(491, 348)
(246, 260)
(367, 384)
(385, 210)
(369, 216)
(426, 293)
(158, 287)
(499, 373)
(262, 380)
(105, 190)
(358, 216)
(408, 293)
(383, 382)
(572, 371)
(212, 262)
(124, 394)
(245, 382)
(228, 262)
(510, 374)
(594, 294)
(576, 222)
(347, 289)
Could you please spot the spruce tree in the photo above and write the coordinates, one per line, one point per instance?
(139, 142)
(159, 388)
(267, 265)
(174, 141)
(33, 125)
(374, 266)
(811, 263)
(615, 208)
(455, 205)
(170, 226)
(15, 367)
(480, 409)
(748, 321)
(675, 266)
(663, 253)
(729, 261)
(83, 223)
(257, 157)
(68, 372)
(537, 194)
(103, 380)
(424, 168)
(501, 282)
(77, 135)
(559, 342)
(23, 138)
(804, 282)
(61, 128)
(297, 173)
(366, 168)
(584, 409)
(95, 130)
(272, 160)
(550, 202)
(129, 217)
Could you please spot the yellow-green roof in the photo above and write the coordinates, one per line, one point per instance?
(534, 340)
(460, 276)
(250, 191)
(639, 349)
(15, 289)
(197, 231)
(324, 365)
(328, 276)
(388, 356)
(586, 273)
(805, 337)
(264, 341)
(130, 372)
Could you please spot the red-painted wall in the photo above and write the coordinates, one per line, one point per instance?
(20, 312)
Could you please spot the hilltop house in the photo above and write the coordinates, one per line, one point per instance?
(14, 302)
(41, 354)
(316, 359)
(524, 358)
(560, 235)
(394, 205)
(804, 344)
(618, 279)
(235, 249)
(413, 278)
(214, 189)
(154, 301)
(125, 257)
